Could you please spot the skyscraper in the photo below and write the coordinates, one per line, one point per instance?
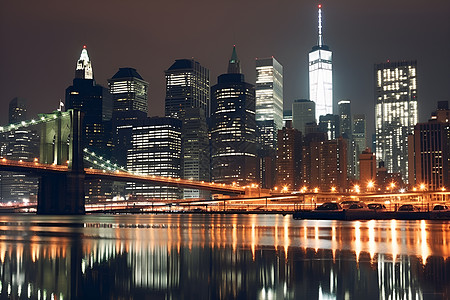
(95, 102)
(187, 99)
(21, 144)
(358, 142)
(155, 150)
(233, 139)
(269, 100)
(329, 124)
(303, 112)
(395, 113)
(345, 119)
(429, 151)
(129, 92)
(187, 86)
(321, 74)
(17, 110)
(289, 158)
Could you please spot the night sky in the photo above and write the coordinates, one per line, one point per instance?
(42, 40)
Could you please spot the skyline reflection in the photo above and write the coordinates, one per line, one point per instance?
(221, 256)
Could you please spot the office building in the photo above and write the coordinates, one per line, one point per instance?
(358, 142)
(95, 102)
(303, 112)
(17, 110)
(156, 150)
(188, 99)
(269, 100)
(233, 132)
(21, 144)
(429, 152)
(289, 158)
(329, 124)
(321, 74)
(395, 113)
(345, 119)
(187, 86)
(129, 92)
(368, 169)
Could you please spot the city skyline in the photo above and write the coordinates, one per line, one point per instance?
(57, 40)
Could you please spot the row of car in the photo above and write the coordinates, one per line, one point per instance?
(357, 205)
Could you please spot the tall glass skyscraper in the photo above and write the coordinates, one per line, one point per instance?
(395, 113)
(269, 100)
(187, 99)
(233, 133)
(321, 75)
(129, 92)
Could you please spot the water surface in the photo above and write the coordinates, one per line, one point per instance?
(222, 256)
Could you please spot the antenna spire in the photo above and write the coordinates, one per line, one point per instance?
(320, 25)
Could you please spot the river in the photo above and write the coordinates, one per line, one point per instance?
(221, 256)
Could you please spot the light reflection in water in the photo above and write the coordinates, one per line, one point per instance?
(223, 256)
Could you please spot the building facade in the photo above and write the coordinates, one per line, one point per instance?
(156, 150)
(233, 128)
(321, 74)
(129, 93)
(367, 169)
(395, 113)
(429, 152)
(188, 99)
(358, 141)
(289, 158)
(269, 100)
(329, 124)
(303, 112)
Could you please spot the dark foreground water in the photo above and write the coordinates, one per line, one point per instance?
(221, 257)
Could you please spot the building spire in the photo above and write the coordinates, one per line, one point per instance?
(234, 64)
(320, 42)
(84, 66)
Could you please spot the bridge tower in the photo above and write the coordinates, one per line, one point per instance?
(61, 144)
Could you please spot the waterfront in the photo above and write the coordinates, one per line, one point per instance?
(221, 256)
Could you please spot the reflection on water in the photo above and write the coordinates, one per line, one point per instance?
(221, 257)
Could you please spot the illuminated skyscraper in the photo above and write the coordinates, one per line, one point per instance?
(84, 66)
(129, 92)
(321, 75)
(233, 139)
(269, 100)
(395, 113)
(17, 110)
(329, 124)
(187, 99)
(95, 102)
(156, 150)
(358, 142)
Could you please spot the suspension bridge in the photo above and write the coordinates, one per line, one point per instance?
(61, 170)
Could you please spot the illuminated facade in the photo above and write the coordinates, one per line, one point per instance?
(358, 141)
(17, 110)
(330, 125)
(233, 133)
(129, 92)
(156, 150)
(187, 99)
(429, 153)
(321, 75)
(289, 158)
(187, 86)
(395, 113)
(303, 112)
(368, 167)
(269, 100)
(84, 66)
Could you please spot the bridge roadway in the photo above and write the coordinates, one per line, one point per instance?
(40, 169)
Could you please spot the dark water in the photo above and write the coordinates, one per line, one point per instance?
(221, 257)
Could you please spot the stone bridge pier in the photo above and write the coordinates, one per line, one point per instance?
(61, 144)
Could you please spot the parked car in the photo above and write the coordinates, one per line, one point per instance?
(329, 206)
(347, 203)
(376, 206)
(359, 206)
(441, 207)
(408, 207)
